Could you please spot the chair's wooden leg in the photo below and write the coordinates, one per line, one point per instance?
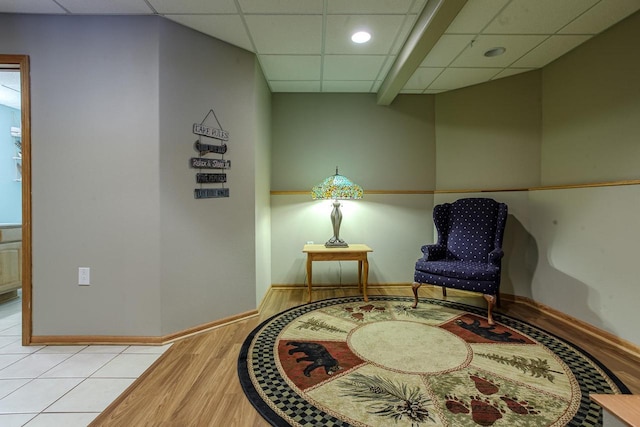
(444, 292)
(415, 288)
(490, 301)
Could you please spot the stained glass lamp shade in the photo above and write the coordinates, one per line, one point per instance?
(336, 187)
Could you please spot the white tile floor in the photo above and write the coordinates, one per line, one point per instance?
(61, 385)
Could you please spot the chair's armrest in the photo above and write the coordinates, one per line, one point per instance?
(433, 252)
(495, 256)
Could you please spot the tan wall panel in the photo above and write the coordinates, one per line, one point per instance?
(488, 135)
(591, 110)
(380, 148)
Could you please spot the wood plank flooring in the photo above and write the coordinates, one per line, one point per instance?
(195, 383)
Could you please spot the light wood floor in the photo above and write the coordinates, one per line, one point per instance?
(195, 383)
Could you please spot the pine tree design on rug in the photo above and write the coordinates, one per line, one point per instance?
(317, 325)
(387, 398)
(538, 368)
(422, 313)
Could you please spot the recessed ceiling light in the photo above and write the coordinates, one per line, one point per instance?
(361, 37)
(496, 51)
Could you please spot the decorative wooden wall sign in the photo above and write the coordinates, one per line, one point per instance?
(201, 163)
(204, 131)
(207, 178)
(209, 148)
(200, 129)
(210, 193)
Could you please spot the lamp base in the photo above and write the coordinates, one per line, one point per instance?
(336, 219)
(336, 242)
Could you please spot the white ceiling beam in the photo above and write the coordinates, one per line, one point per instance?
(434, 20)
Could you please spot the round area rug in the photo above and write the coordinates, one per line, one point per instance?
(345, 362)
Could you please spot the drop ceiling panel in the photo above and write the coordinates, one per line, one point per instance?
(455, 78)
(348, 86)
(368, 6)
(602, 16)
(507, 72)
(537, 17)
(475, 15)
(383, 29)
(296, 7)
(228, 28)
(549, 50)
(30, 6)
(446, 50)
(294, 86)
(516, 45)
(407, 26)
(124, 7)
(291, 67)
(386, 67)
(286, 34)
(352, 67)
(193, 6)
(422, 78)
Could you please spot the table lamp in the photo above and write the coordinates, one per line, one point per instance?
(336, 187)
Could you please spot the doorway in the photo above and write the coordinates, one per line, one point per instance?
(14, 72)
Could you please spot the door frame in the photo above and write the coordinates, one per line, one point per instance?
(21, 62)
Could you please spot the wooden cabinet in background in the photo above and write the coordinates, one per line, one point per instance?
(10, 260)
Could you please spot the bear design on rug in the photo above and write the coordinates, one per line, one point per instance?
(317, 354)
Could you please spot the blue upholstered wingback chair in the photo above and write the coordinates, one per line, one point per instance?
(468, 254)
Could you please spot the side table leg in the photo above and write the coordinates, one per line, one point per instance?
(309, 275)
(366, 278)
(359, 275)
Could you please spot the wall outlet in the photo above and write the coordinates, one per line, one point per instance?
(84, 276)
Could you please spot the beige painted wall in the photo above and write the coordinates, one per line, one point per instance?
(591, 113)
(488, 135)
(587, 263)
(394, 226)
(573, 250)
(208, 246)
(587, 238)
(380, 148)
(113, 103)
(262, 142)
(95, 168)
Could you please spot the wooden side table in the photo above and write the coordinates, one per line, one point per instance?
(618, 410)
(356, 252)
